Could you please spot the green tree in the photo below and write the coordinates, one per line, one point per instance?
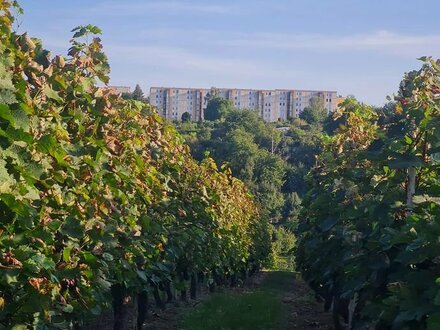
(316, 112)
(265, 134)
(217, 108)
(241, 153)
(269, 177)
(138, 94)
(186, 117)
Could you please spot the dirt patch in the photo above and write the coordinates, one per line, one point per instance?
(305, 311)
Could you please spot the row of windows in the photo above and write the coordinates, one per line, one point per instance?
(250, 103)
(175, 103)
(250, 93)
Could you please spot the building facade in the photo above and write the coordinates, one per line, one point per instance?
(271, 105)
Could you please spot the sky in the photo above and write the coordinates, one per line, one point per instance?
(354, 47)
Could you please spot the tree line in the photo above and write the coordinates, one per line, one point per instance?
(272, 159)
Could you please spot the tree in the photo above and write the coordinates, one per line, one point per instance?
(265, 135)
(127, 96)
(186, 117)
(316, 112)
(138, 94)
(217, 108)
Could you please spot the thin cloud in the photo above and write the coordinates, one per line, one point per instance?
(182, 59)
(135, 9)
(382, 41)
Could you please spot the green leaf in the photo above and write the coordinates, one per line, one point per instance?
(66, 253)
(16, 135)
(72, 227)
(19, 327)
(89, 258)
(67, 308)
(406, 161)
(328, 223)
(142, 275)
(6, 180)
(6, 114)
(41, 261)
(50, 93)
(47, 144)
(433, 322)
(21, 119)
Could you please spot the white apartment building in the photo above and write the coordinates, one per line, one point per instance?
(271, 105)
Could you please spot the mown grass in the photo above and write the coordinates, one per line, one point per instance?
(262, 309)
(278, 281)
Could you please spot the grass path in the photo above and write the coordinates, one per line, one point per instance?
(275, 300)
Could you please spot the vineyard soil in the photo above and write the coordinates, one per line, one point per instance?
(271, 300)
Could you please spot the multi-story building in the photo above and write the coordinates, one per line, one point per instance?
(271, 105)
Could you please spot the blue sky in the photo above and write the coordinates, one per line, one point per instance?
(356, 47)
